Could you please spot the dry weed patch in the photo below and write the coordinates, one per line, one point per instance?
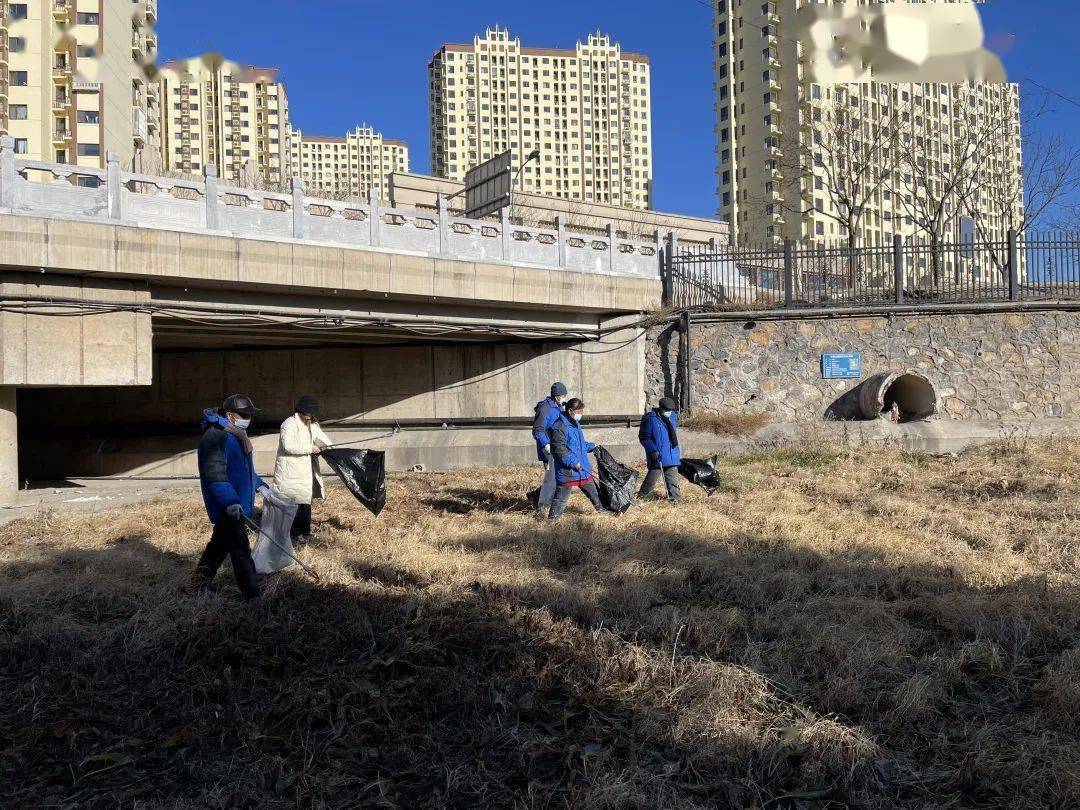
(865, 628)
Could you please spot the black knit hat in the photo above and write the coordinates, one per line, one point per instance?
(308, 404)
(668, 404)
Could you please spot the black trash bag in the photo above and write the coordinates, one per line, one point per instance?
(701, 472)
(364, 473)
(616, 482)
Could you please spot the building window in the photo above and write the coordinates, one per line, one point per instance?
(89, 150)
(87, 18)
(17, 44)
(18, 11)
(22, 146)
(19, 78)
(89, 117)
(86, 51)
(18, 112)
(88, 182)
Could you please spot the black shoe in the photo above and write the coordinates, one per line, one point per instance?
(301, 539)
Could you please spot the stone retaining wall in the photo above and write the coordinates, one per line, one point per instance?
(1013, 366)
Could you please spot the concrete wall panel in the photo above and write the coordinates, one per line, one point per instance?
(494, 282)
(265, 262)
(23, 242)
(471, 381)
(317, 266)
(210, 257)
(455, 279)
(70, 348)
(85, 246)
(412, 275)
(141, 251)
(399, 383)
(366, 270)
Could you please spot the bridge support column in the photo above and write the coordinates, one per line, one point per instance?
(9, 446)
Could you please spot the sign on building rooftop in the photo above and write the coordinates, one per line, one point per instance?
(487, 187)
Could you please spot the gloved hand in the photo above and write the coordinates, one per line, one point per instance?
(235, 510)
(654, 458)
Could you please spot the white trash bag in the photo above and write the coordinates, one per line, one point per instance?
(274, 550)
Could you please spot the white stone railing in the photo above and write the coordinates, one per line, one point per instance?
(54, 189)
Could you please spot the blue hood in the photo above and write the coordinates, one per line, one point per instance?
(211, 418)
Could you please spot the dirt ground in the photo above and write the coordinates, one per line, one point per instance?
(835, 628)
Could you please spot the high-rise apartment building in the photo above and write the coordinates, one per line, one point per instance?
(586, 110)
(349, 166)
(73, 79)
(234, 116)
(855, 163)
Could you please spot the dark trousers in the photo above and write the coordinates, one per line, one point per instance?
(301, 525)
(562, 498)
(230, 539)
(671, 482)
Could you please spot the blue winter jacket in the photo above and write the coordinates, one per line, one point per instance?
(655, 438)
(547, 414)
(570, 448)
(226, 473)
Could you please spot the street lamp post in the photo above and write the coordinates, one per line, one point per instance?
(533, 155)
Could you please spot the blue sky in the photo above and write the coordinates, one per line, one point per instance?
(352, 61)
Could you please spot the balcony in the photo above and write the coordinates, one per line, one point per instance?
(61, 102)
(137, 47)
(61, 135)
(61, 10)
(61, 69)
(86, 87)
(139, 129)
(151, 10)
(151, 43)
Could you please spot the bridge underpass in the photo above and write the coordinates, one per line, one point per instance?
(118, 330)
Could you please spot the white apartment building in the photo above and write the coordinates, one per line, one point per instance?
(234, 116)
(73, 80)
(800, 160)
(587, 111)
(350, 166)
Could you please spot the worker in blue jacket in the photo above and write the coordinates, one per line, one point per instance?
(229, 483)
(546, 413)
(659, 435)
(573, 469)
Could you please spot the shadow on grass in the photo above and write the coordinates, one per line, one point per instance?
(694, 673)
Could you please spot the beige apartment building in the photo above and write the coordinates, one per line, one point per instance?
(73, 80)
(587, 111)
(350, 166)
(855, 163)
(234, 116)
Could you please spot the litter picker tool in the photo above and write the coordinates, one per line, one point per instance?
(259, 532)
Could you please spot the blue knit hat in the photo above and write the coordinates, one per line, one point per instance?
(558, 390)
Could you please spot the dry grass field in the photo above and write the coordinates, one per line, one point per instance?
(866, 628)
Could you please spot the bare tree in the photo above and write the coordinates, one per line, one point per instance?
(1022, 200)
(846, 158)
(934, 188)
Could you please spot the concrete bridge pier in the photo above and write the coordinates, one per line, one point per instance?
(9, 445)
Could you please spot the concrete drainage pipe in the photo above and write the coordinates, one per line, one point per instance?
(903, 396)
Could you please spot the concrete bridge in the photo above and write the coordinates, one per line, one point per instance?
(130, 302)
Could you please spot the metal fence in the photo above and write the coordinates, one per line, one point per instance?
(1025, 267)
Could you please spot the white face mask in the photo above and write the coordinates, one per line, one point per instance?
(577, 417)
(669, 414)
(243, 424)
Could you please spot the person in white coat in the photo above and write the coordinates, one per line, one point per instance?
(296, 474)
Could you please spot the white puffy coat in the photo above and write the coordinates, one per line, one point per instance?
(296, 474)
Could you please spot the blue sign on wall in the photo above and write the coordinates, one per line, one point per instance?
(841, 366)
